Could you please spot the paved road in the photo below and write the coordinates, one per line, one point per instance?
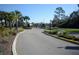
(34, 42)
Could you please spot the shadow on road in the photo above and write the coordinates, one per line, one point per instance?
(72, 47)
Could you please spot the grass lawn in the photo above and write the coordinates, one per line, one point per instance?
(68, 30)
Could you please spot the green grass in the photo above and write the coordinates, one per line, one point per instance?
(64, 32)
(54, 31)
(72, 30)
(65, 29)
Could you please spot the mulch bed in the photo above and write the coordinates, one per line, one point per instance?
(6, 47)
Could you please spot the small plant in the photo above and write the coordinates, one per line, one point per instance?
(69, 37)
(61, 33)
(51, 31)
(20, 29)
(54, 32)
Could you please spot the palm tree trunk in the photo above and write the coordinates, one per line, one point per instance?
(17, 25)
(9, 24)
(5, 23)
(1, 23)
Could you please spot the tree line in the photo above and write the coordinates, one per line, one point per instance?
(64, 21)
(13, 19)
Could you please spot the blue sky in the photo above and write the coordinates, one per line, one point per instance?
(38, 12)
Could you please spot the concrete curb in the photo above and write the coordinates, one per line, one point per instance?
(71, 41)
(14, 43)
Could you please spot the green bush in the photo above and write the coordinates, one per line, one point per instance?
(13, 31)
(51, 31)
(65, 35)
(20, 29)
(47, 27)
(69, 37)
(55, 28)
(47, 31)
(62, 33)
(4, 32)
(54, 32)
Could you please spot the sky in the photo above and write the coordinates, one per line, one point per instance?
(39, 12)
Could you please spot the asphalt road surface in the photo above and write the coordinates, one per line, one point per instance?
(34, 42)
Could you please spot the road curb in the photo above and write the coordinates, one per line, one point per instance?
(14, 43)
(71, 41)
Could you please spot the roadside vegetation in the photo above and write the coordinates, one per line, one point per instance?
(63, 25)
(64, 34)
(10, 24)
(13, 22)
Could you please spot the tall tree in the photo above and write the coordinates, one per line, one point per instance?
(2, 16)
(17, 16)
(59, 12)
(59, 15)
(55, 21)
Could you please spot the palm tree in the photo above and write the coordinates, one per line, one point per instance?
(17, 15)
(26, 18)
(2, 16)
(6, 17)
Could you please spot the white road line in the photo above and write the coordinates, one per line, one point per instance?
(14, 43)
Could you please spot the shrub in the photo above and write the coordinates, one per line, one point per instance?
(69, 37)
(55, 28)
(54, 32)
(47, 31)
(51, 31)
(47, 28)
(4, 32)
(14, 33)
(65, 35)
(20, 29)
(62, 33)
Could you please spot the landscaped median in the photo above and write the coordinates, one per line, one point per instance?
(63, 34)
(7, 37)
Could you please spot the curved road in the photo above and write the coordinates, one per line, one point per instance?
(34, 42)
